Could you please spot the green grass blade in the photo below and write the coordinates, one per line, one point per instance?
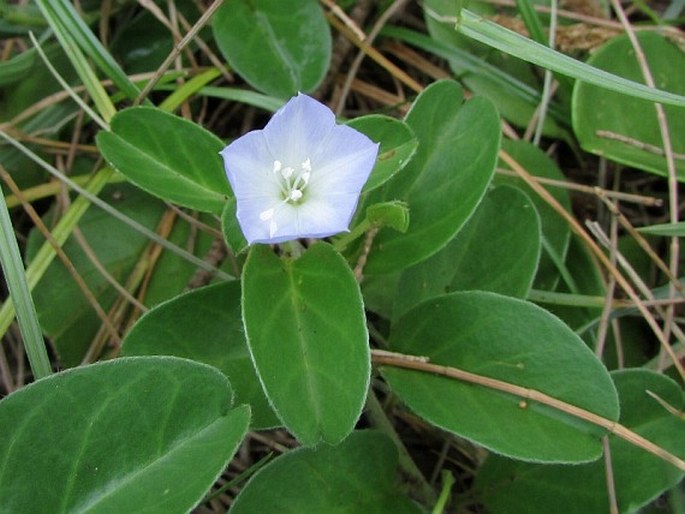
(62, 13)
(245, 96)
(665, 229)
(185, 91)
(470, 63)
(510, 42)
(532, 21)
(135, 225)
(104, 105)
(86, 74)
(15, 276)
(15, 68)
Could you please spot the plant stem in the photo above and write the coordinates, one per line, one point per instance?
(341, 243)
(447, 483)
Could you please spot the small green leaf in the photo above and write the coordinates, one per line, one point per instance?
(278, 47)
(626, 129)
(515, 342)
(205, 325)
(127, 435)
(507, 486)
(169, 157)
(389, 214)
(354, 477)
(398, 145)
(306, 332)
(445, 180)
(497, 250)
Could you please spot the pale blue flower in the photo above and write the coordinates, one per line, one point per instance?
(300, 176)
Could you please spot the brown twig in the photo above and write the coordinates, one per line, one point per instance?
(177, 50)
(607, 134)
(609, 475)
(377, 57)
(370, 38)
(366, 249)
(648, 201)
(530, 395)
(641, 241)
(668, 152)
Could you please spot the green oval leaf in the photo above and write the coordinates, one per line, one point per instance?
(445, 180)
(317, 479)
(398, 145)
(497, 250)
(510, 487)
(515, 342)
(278, 47)
(167, 156)
(306, 330)
(205, 325)
(127, 435)
(556, 233)
(631, 132)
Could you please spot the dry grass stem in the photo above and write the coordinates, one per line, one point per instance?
(530, 395)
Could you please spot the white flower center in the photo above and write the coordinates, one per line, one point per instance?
(293, 183)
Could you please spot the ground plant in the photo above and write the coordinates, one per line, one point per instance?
(342, 256)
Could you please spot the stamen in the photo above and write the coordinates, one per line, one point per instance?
(292, 186)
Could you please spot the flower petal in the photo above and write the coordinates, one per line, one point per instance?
(327, 215)
(344, 162)
(298, 128)
(255, 228)
(249, 167)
